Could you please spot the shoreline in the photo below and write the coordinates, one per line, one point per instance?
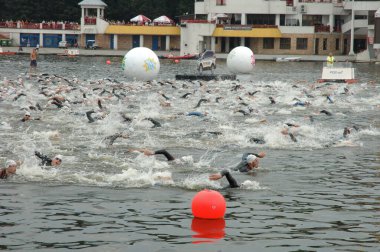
(121, 53)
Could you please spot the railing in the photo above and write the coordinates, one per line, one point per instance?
(322, 28)
(197, 21)
(72, 27)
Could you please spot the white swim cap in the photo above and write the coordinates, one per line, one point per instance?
(27, 113)
(58, 157)
(251, 158)
(10, 163)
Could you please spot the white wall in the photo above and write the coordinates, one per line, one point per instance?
(192, 34)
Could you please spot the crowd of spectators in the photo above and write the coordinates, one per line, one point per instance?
(54, 25)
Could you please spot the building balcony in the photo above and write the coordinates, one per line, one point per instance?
(39, 26)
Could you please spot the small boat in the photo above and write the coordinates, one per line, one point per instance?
(338, 72)
(287, 59)
(6, 53)
(69, 53)
(172, 57)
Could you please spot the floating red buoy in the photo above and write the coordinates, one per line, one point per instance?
(208, 204)
(108, 62)
(176, 61)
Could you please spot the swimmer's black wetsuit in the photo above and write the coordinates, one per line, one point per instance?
(165, 153)
(45, 160)
(232, 182)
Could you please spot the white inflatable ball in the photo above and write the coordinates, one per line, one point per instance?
(141, 63)
(241, 60)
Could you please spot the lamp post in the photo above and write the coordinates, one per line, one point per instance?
(352, 28)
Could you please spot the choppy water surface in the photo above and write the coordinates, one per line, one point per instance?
(320, 193)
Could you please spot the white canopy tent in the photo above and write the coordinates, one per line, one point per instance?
(140, 19)
(163, 20)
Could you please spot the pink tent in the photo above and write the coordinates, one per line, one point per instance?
(140, 19)
(163, 20)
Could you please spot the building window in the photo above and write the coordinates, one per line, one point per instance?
(285, 43)
(301, 43)
(325, 44)
(261, 19)
(268, 43)
(337, 44)
(221, 2)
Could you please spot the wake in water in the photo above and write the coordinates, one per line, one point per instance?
(94, 124)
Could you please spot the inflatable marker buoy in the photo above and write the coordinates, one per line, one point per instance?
(208, 204)
(108, 62)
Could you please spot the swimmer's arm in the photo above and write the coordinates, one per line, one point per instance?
(166, 154)
(44, 158)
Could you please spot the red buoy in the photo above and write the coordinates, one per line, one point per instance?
(108, 62)
(208, 204)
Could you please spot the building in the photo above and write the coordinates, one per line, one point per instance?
(280, 27)
(288, 27)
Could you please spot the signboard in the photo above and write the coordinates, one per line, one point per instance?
(238, 27)
(332, 73)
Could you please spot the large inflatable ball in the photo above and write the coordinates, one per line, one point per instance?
(141, 63)
(241, 60)
(208, 204)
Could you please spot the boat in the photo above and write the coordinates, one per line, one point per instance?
(338, 72)
(172, 57)
(6, 53)
(69, 53)
(287, 59)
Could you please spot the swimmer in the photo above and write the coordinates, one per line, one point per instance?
(57, 160)
(249, 162)
(185, 95)
(113, 137)
(329, 98)
(326, 112)
(98, 116)
(28, 117)
(148, 152)
(272, 101)
(302, 104)
(195, 113)
(288, 128)
(155, 123)
(10, 169)
(200, 102)
(257, 140)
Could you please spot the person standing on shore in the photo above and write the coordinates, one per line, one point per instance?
(33, 62)
(330, 60)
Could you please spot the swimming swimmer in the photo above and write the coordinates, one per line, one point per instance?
(195, 113)
(10, 169)
(57, 160)
(200, 101)
(155, 123)
(249, 162)
(325, 112)
(148, 152)
(113, 137)
(272, 101)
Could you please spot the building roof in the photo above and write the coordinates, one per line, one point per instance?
(254, 33)
(93, 3)
(143, 30)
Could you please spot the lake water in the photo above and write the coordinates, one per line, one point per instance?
(320, 193)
